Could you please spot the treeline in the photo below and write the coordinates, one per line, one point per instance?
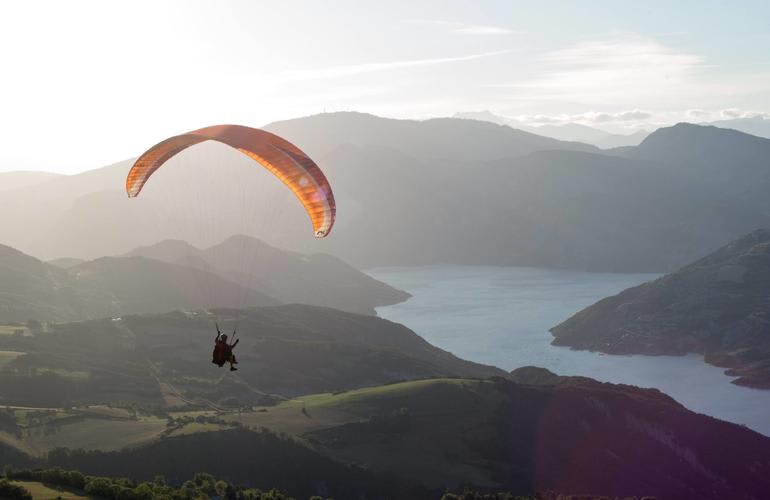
(259, 459)
(549, 495)
(475, 495)
(10, 491)
(201, 487)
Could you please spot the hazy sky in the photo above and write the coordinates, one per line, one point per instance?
(84, 84)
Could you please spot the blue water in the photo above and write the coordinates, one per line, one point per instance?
(501, 315)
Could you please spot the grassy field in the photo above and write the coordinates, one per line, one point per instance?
(96, 434)
(320, 411)
(40, 491)
(15, 442)
(76, 375)
(195, 428)
(12, 329)
(412, 429)
(352, 426)
(105, 411)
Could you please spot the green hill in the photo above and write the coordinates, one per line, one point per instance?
(574, 434)
(161, 361)
(412, 439)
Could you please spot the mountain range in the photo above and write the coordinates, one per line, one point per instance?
(239, 272)
(290, 277)
(437, 191)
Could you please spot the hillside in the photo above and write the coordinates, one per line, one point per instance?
(569, 434)
(718, 305)
(318, 279)
(727, 166)
(158, 361)
(550, 209)
(31, 289)
(137, 285)
(258, 459)
(574, 435)
(66, 262)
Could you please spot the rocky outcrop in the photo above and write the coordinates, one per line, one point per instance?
(718, 306)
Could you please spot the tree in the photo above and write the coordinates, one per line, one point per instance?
(13, 491)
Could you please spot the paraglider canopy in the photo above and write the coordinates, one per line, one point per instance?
(285, 160)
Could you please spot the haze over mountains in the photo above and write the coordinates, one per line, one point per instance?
(20, 179)
(409, 192)
(316, 279)
(240, 272)
(756, 125)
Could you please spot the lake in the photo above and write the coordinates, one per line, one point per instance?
(501, 315)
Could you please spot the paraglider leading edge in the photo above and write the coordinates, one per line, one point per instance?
(285, 160)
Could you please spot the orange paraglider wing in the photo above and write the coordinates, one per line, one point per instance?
(285, 160)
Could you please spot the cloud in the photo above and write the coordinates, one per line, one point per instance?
(731, 113)
(633, 115)
(483, 30)
(704, 115)
(357, 69)
(467, 29)
(589, 117)
(698, 114)
(613, 72)
(541, 119)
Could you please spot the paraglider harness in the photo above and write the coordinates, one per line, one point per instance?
(223, 352)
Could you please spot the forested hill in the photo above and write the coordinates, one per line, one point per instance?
(409, 439)
(151, 360)
(718, 305)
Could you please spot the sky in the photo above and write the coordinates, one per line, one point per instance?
(85, 84)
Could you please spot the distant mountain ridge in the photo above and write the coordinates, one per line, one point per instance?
(564, 132)
(718, 306)
(106, 287)
(756, 125)
(317, 279)
(239, 272)
(434, 138)
(726, 165)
